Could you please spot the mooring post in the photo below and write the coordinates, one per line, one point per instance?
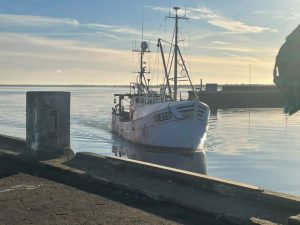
(47, 124)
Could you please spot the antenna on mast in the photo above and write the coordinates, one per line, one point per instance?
(143, 22)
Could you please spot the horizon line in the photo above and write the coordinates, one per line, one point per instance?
(121, 85)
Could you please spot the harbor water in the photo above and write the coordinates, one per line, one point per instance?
(256, 146)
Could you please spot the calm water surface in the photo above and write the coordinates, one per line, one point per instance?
(257, 146)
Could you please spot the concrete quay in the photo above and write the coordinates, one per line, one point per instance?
(27, 199)
(30, 199)
(49, 192)
(207, 200)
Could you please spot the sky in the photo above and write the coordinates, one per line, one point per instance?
(91, 41)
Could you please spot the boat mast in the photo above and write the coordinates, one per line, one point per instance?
(176, 53)
(142, 69)
(176, 50)
(142, 83)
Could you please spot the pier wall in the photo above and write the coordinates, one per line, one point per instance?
(206, 183)
(241, 96)
(12, 143)
(242, 99)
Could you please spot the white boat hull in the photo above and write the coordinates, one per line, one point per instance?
(181, 124)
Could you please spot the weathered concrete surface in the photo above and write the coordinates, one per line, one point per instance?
(233, 202)
(224, 200)
(82, 200)
(294, 220)
(26, 199)
(47, 123)
(17, 145)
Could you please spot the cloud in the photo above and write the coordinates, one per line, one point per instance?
(157, 8)
(271, 51)
(32, 59)
(42, 47)
(234, 26)
(283, 15)
(234, 69)
(114, 28)
(237, 26)
(249, 59)
(99, 25)
(220, 43)
(108, 35)
(226, 23)
(39, 60)
(8, 20)
(63, 27)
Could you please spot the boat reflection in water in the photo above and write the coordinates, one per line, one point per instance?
(194, 161)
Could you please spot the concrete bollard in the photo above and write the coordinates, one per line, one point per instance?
(47, 124)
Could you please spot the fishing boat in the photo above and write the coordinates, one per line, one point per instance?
(161, 118)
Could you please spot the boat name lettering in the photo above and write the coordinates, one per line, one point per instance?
(162, 117)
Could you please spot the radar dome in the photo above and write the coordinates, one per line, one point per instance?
(144, 45)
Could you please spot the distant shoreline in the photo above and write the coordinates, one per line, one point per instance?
(59, 85)
(113, 85)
